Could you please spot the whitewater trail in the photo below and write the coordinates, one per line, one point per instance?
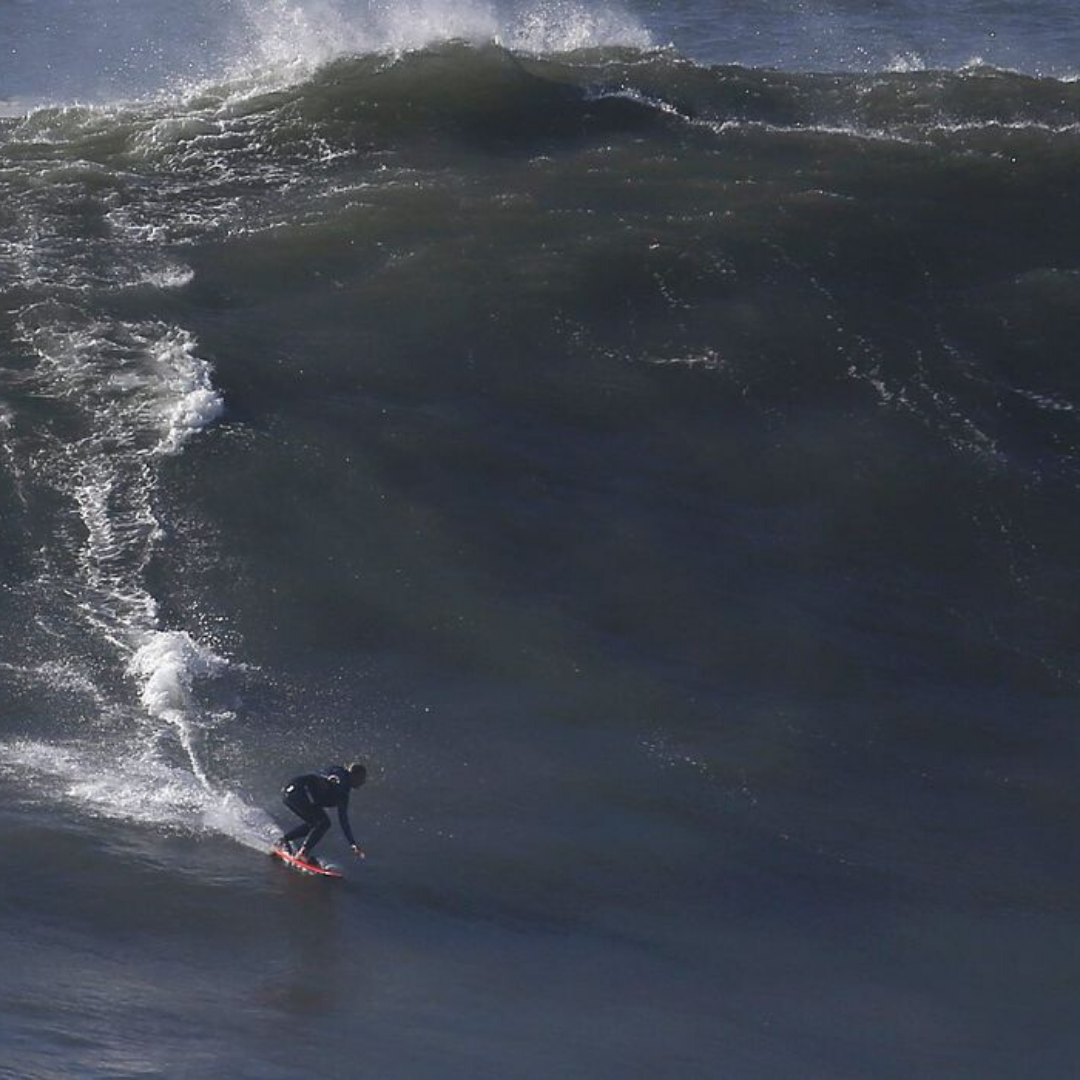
(135, 393)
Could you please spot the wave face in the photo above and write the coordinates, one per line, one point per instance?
(639, 461)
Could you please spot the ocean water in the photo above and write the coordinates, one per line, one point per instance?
(648, 433)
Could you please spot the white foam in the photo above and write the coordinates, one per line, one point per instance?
(906, 63)
(136, 787)
(170, 277)
(166, 665)
(142, 391)
(1047, 402)
(300, 35)
(133, 393)
(188, 400)
(7, 450)
(564, 27)
(706, 360)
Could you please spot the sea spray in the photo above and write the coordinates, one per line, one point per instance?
(166, 666)
(303, 34)
(134, 784)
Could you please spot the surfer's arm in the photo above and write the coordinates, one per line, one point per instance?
(343, 817)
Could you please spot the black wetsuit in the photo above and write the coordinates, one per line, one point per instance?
(307, 795)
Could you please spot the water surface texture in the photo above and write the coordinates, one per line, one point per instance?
(647, 433)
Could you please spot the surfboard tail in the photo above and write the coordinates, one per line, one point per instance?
(305, 867)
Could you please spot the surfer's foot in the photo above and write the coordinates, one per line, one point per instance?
(304, 856)
(284, 845)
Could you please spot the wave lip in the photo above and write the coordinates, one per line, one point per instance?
(291, 36)
(263, 134)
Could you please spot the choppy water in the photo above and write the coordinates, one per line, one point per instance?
(648, 435)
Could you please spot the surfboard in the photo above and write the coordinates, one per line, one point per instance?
(305, 867)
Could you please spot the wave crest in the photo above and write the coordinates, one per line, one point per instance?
(290, 34)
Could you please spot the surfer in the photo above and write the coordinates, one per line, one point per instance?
(308, 795)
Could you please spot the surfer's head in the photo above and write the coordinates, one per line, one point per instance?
(357, 774)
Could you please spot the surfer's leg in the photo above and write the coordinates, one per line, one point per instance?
(318, 831)
(295, 834)
(296, 799)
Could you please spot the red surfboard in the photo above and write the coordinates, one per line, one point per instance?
(305, 867)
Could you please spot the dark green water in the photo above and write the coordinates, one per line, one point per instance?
(665, 475)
